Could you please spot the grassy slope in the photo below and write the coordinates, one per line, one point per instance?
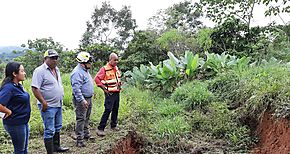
(170, 127)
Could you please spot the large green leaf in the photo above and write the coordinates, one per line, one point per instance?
(191, 63)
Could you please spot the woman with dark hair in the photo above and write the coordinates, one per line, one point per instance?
(15, 104)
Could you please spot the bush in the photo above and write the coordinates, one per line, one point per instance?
(168, 108)
(220, 122)
(171, 128)
(254, 91)
(192, 94)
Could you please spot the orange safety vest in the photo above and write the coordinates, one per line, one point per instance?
(112, 79)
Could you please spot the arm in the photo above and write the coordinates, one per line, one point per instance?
(5, 97)
(77, 83)
(40, 98)
(36, 83)
(100, 76)
(5, 110)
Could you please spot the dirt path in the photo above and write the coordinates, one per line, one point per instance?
(108, 144)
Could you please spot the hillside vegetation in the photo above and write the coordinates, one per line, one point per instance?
(187, 88)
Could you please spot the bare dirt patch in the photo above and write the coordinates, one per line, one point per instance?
(274, 136)
(116, 142)
(130, 144)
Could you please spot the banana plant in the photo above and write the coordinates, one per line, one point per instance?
(191, 64)
(139, 76)
(216, 61)
(167, 73)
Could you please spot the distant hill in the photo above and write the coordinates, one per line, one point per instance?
(6, 52)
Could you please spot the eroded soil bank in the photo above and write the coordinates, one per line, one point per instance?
(274, 136)
(130, 144)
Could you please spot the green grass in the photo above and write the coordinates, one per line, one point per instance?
(217, 110)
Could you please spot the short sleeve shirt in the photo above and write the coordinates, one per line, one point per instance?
(17, 100)
(50, 87)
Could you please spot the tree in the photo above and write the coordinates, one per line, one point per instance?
(234, 37)
(42, 44)
(183, 16)
(33, 56)
(109, 26)
(100, 53)
(220, 10)
(173, 41)
(142, 50)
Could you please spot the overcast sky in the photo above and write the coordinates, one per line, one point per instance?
(65, 20)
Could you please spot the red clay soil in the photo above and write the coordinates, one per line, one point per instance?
(274, 136)
(131, 144)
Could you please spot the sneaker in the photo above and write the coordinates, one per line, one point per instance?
(81, 144)
(115, 128)
(101, 133)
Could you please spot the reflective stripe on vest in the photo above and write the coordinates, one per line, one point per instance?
(112, 78)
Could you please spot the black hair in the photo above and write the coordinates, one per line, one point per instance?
(11, 67)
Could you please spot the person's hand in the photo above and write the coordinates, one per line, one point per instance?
(85, 104)
(105, 90)
(44, 107)
(8, 113)
(119, 86)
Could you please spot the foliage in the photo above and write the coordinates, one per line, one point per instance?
(219, 10)
(234, 37)
(169, 74)
(169, 108)
(2, 70)
(67, 61)
(164, 76)
(279, 47)
(171, 127)
(30, 60)
(109, 26)
(216, 63)
(220, 122)
(33, 56)
(190, 64)
(193, 95)
(203, 39)
(42, 44)
(183, 16)
(254, 90)
(142, 50)
(100, 53)
(172, 41)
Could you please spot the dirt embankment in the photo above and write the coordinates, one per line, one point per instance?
(131, 144)
(274, 136)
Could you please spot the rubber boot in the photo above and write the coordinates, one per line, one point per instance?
(56, 143)
(48, 142)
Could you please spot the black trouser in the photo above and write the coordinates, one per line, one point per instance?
(111, 106)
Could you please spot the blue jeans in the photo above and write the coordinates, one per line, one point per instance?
(52, 120)
(19, 135)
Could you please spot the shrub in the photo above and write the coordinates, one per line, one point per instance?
(168, 108)
(192, 94)
(220, 122)
(171, 128)
(254, 91)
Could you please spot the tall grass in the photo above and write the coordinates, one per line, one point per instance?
(255, 90)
